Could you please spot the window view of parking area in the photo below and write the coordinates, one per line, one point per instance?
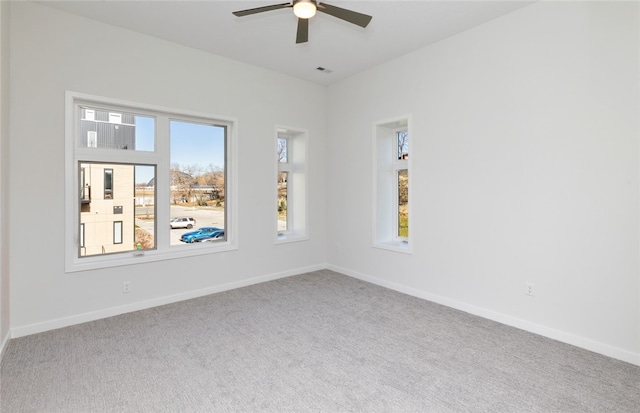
(197, 187)
(119, 195)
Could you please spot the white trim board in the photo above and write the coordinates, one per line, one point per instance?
(142, 305)
(4, 344)
(587, 344)
(578, 341)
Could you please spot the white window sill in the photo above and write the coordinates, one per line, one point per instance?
(286, 238)
(401, 246)
(137, 257)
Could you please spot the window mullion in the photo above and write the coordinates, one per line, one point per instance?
(163, 190)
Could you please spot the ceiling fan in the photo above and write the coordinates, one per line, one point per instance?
(306, 9)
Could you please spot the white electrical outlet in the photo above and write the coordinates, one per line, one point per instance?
(530, 289)
(126, 287)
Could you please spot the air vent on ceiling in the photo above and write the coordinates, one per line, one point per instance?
(324, 70)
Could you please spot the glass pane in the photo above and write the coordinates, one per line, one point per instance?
(403, 203)
(197, 193)
(108, 183)
(145, 201)
(283, 219)
(115, 224)
(108, 129)
(117, 232)
(403, 145)
(145, 133)
(283, 149)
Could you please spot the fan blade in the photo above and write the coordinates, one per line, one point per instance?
(303, 31)
(247, 12)
(360, 19)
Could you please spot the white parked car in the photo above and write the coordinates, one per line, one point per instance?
(182, 222)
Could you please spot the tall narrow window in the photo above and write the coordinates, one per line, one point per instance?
(117, 232)
(391, 185)
(402, 173)
(283, 201)
(291, 185)
(284, 167)
(403, 203)
(108, 183)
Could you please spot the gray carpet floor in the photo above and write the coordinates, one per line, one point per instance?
(317, 342)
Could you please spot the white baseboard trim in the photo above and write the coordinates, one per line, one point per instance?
(578, 341)
(142, 305)
(4, 343)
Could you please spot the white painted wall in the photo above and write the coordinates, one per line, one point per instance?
(4, 162)
(525, 168)
(51, 52)
(524, 153)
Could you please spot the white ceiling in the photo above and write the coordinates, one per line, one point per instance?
(268, 39)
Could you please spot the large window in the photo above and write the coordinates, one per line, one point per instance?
(136, 174)
(291, 189)
(391, 185)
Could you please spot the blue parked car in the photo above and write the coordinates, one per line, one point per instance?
(202, 234)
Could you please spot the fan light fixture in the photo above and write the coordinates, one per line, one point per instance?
(304, 9)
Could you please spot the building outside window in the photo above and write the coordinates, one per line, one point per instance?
(99, 214)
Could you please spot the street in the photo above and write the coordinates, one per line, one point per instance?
(203, 217)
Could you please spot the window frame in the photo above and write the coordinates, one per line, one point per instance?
(159, 157)
(297, 184)
(386, 168)
(108, 192)
(285, 168)
(117, 234)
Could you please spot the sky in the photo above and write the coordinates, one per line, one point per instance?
(191, 144)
